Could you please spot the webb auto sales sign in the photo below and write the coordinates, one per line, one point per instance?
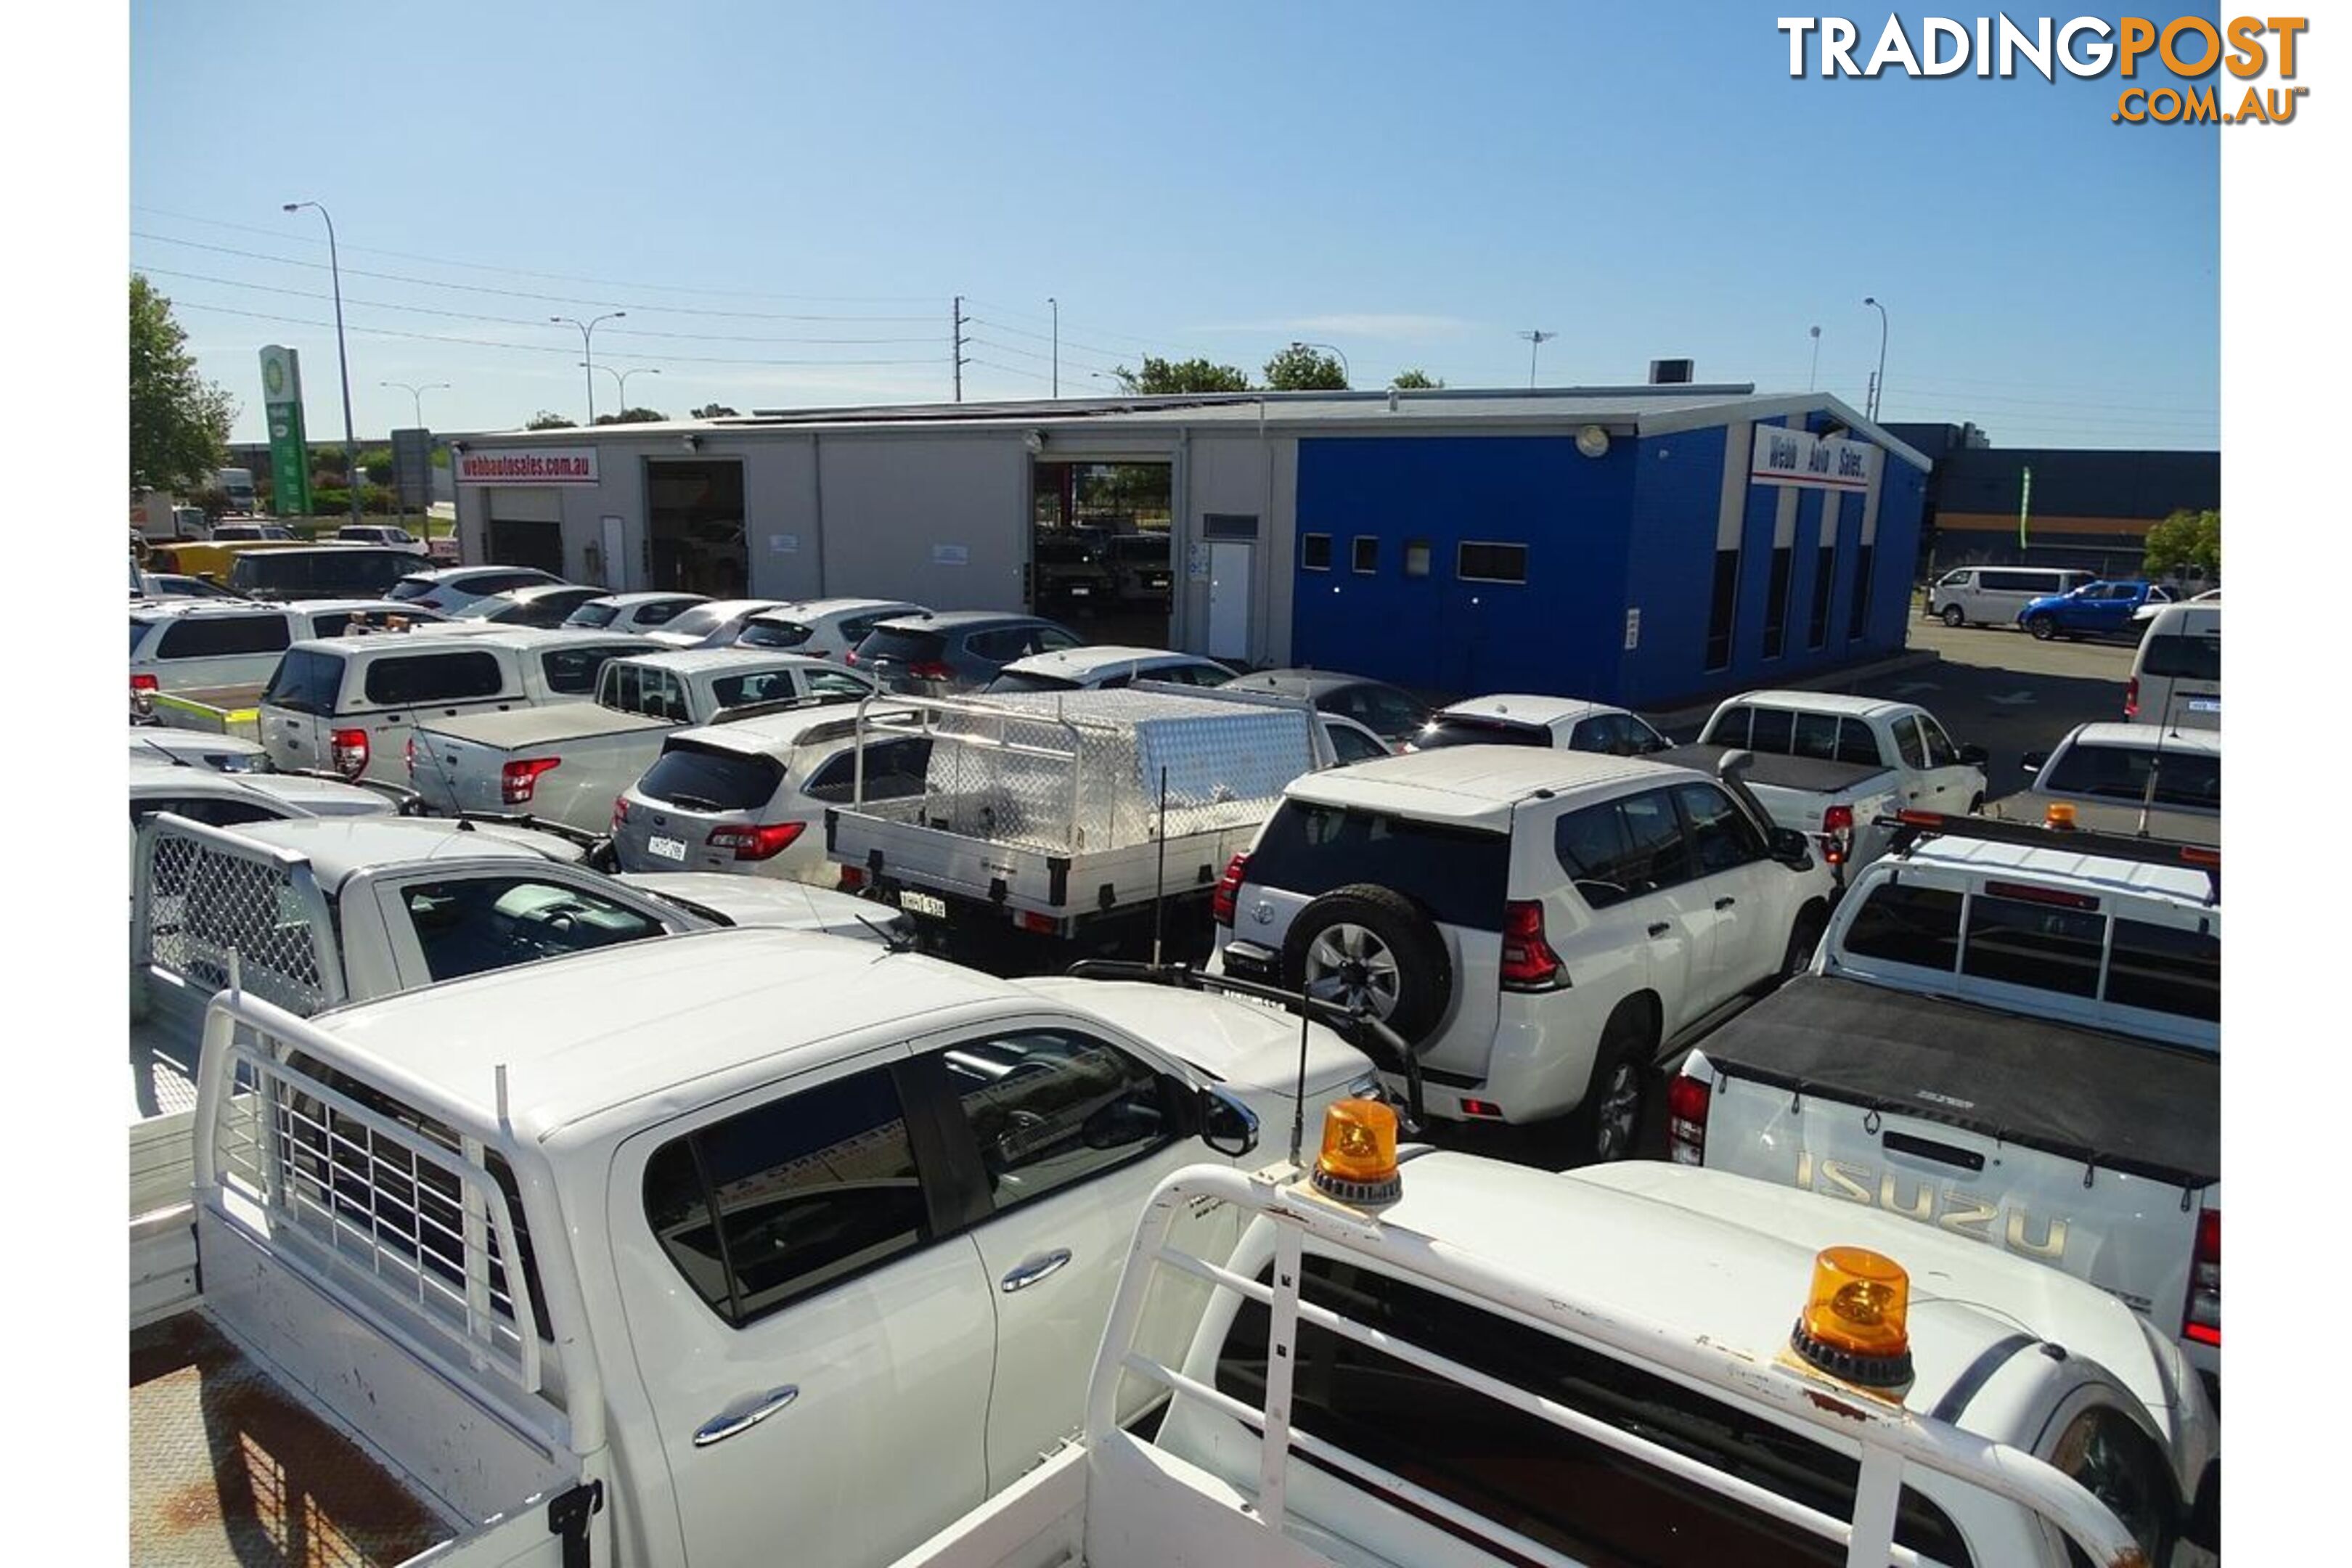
(512, 465)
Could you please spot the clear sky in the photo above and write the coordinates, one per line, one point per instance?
(785, 197)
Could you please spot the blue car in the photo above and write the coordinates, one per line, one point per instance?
(2093, 610)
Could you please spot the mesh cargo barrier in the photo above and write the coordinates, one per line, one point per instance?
(205, 901)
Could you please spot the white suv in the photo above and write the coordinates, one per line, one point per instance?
(1537, 925)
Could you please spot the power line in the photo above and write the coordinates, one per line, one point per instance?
(1009, 369)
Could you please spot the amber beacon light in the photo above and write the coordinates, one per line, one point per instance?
(1853, 1325)
(1358, 1161)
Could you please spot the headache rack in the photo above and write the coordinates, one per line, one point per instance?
(1907, 827)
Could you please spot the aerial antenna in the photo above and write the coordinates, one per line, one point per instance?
(1160, 885)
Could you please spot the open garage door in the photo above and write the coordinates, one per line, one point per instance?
(525, 527)
(1100, 556)
(695, 527)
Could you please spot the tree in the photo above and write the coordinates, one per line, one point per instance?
(1299, 368)
(1415, 381)
(633, 416)
(715, 411)
(2182, 540)
(1159, 376)
(179, 423)
(375, 465)
(543, 420)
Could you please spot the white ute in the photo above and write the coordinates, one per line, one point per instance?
(1470, 1374)
(719, 1248)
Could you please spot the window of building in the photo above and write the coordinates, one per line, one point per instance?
(1416, 558)
(1477, 561)
(1775, 603)
(1367, 553)
(1817, 628)
(1315, 552)
(1720, 608)
(1228, 525)
(1859, 621)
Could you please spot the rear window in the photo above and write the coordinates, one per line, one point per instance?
(410, 588)
(2183, 655)
(907, 647)
(1460, 876)
(697, 778)
(453, 676)
(1021, 680)
(773, 634)
(593, 614)
(2019, 942)
(573, 671)
(755, 686)
(894, 770)
(1906, 924)
(2166, 970)
(2121, 773)
(306, 681)
(221, 637)
(1443, 730)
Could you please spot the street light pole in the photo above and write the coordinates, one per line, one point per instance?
(1814, 374)
(417, 395)
(342, 360)
(1879, 383)
(1536, 340)
(1345, 373)
(621, 378)
(1058, 343)
(587, 351)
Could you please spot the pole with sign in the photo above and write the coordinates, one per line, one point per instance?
(289, 451)
(2024, 505)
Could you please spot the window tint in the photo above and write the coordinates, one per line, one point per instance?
(894, 770)
(1050, 1108)
(1457, 730)
(139, 630)
(573, 671)
(1941, 752)
(907, 647)
(593, 614)
(305, 681)
(834, 683)
(1591, 1502)
(480, 924)
(1002, 646)
(434, 677)
(1858, 618)
(2181, 656)
(1857, 743)
(1776, 601)
(773, 634)
(1458, 875)
(1624, 849)
(1907, 743)
(1904, 923)
(221, 637)
(1476, 563)
(2019, 943)
(697, 777)
(1730, 727)
(2166, 970)
(661, 612)
(1385, 710)
(1817, 626)
(1814, 735)
(643, 690)
(1367, 553)
(786, 1200)
(1315, 551)
(2182, 778)
(757, 686)
(1050, 640)
(1722, 838)
(413, 587)
(1773, 730)
(1029, 680)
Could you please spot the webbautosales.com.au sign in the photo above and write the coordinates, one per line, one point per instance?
(525, 467)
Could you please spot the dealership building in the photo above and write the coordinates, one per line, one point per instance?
(1642, 544)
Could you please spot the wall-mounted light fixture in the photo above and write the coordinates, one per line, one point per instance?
(1034, 441)
(693, 442)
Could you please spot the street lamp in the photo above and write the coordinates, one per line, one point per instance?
(1345, 373)
(1878, 382)
(1536, 338)
(1814, 374)
(1056, 305)
(587, 351)
(417, 395)
(343, 361)
(621, 379)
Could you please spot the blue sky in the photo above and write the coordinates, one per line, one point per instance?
(1415, 185)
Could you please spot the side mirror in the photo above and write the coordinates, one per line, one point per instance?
(2033, 762)
(1974, 756)
(1227, 1126)
(1792, 848)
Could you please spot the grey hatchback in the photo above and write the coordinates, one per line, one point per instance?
(949, 652)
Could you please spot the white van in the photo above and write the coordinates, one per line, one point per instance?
(2175, 680)
(1992, 595)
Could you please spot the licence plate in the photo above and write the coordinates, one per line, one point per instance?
(667, 849)
(923, 904)
(1080, 592)
(2204, 705)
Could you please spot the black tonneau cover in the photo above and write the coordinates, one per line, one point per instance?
(2106, 1100)
(1778, 769)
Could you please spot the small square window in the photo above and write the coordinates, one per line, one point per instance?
(1416, 558)
(1367, 552)
(1315, 552)
(1482, 563)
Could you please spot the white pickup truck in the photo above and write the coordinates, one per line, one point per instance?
(542, 1267)
(2012, 1035)
(1832, 765)
(1467, 1376)
(568, 761)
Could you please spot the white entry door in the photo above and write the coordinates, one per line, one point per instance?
(616, 564)
(1229, 597)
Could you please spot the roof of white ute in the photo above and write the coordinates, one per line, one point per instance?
(1475, 786)
(1823, 702)
(1526, 708)
(686, 660)
(340, 848)
(155, 776)
(2181, 884)
(2146, 737)
(1742, 1278)
(598, 1029)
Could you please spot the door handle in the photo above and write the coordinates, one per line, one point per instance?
(1031, 1270)
(1726, 901)
(744, 1416)
(1660, 928)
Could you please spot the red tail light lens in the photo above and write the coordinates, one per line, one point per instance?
(348, 751)
(2131, 698)
(1837, 834)
(2203, 1323)
(408, 755)
(518, 779)
(931, 669)
(1228, 889)
(1686, 1103)
(1528, 961)
(146, 683)
(620, 811)
(760, 841)
(852, 877)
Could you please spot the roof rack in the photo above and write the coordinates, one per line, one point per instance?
(1910, 827)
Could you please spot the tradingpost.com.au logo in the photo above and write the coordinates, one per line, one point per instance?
(2187, 47)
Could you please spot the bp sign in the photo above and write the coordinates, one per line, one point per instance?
(289, 452)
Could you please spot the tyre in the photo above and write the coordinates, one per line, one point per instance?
(2042, 627)
(1369, 946)
(1804, 936)
(1976, 805)
(1953, 617)
(1604, 1124)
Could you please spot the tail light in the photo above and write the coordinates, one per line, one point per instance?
(931, 669)
(146, 683)
(758, 841)
(348, 751)
(849, 655)
(1228, 889)
(1031, 920)
(1837, 834)
(1528, 961)
(518, 779)
(1687, 1102)
(2131, 698)
(620, 812)
(852, 877)
(408, 755)
(2203, 1324)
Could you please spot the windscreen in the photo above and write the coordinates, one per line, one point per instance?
(1450, 731)
(910, 646)
(696, 777)
(595, 613)
(772, 633)
(1460, 875)
(2121, 773)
